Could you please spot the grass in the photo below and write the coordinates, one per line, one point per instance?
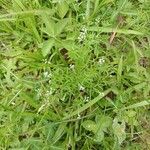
(74, 75)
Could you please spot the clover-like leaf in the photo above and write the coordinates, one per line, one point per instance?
(90, 125)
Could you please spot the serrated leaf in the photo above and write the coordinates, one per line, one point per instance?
(119, 130)
(47, 45)
(62, 9)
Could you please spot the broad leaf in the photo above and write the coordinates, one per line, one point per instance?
(47, 45)
(89, 125)
(119, 130)
(62, 9)
(60, 25)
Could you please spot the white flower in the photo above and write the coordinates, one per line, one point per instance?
(71, 66)
(87, 98)
(101, 94)
(83, 34)
(46, 61)
(101, 60)
(48, 93)
(81, 88)
(47, 74)
(13, 103)
(79, 116)
(84, 29)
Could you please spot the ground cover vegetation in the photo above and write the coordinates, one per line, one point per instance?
(74, 74)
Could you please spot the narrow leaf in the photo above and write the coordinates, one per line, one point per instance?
(119, 69)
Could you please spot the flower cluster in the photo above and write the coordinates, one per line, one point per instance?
(101, 60)
(46, 61)
(83, 34)
(47, 74)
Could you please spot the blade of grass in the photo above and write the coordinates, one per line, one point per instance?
(27, 12)
(136, 105)
(86, 106)
(119, 69)
(135, 56)
(87, 14)
(110, 30)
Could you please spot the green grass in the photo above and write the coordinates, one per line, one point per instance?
(74, 75)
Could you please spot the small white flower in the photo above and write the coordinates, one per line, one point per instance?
(79, 116)
(87, 98)
(48, 93)
(71, 66)
(84, 29)
(83, 34)
(81, 88)
(13, 103)
(46, 61)
(47, 74)
(39, 93)
(101, 94)
(101, 60)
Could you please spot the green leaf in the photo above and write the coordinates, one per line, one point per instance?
(119, 130)
(120, 69)
(103, 122)
(87, 13)
(90, 125)
(50, 25)
(60, 131)
(99, 136)
(110, 30)
(92, 102)
(60, 25)
(140, 104)
(62, 8)
(47, 45)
